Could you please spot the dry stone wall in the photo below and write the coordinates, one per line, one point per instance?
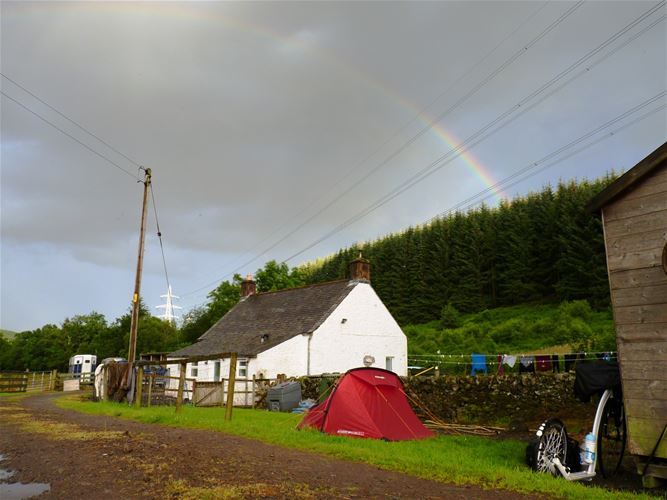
(511, 398)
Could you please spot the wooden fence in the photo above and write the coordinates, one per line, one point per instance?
(28, 381)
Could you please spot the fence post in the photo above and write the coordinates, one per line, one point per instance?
(42, 382)
(231, 386)
(253, 391)
(181, 383)
(150, 388)
(140, 384)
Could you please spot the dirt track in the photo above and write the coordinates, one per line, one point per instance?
(96, 457)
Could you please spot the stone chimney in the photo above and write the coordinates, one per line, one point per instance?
(248, 286)
(360, 269)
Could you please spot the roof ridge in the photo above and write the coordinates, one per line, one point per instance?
(312, 285)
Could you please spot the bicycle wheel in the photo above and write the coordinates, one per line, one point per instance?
(611, 437)
(550, 442)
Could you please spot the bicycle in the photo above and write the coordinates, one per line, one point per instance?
(552, 451)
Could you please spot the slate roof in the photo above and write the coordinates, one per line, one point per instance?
(656, 159)
(279, 315)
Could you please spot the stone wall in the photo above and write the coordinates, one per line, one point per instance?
(488, 398)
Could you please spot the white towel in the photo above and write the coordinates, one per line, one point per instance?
(509, 360)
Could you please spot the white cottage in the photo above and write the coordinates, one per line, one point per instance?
(323, 328)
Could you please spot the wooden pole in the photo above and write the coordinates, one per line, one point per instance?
(150, 388)
(140, 384)
(230, 386)
(253, 391)
(137, 281)
(181, 383)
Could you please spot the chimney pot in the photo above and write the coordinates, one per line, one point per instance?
(360, 269)
(248, 286)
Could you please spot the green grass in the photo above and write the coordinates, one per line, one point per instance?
(463, 460)
(518, 329)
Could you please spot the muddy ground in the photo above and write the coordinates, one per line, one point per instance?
(84, 456)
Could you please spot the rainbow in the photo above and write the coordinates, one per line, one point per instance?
(202, 13)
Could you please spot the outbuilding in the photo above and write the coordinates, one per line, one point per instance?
(634, 216)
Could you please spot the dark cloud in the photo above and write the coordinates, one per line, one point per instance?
(252, 114)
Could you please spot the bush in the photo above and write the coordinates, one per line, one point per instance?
(576, 309)
(450, 317)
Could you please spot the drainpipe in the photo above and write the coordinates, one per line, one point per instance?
(310, 336)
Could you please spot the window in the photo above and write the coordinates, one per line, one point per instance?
(243, 368)
(216, 371)
(194, 370)
(389, 363)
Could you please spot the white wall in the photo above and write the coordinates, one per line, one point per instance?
(369, 329)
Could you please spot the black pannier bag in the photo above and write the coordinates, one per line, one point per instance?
(594, 378)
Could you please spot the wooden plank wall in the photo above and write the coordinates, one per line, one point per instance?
(635, 227)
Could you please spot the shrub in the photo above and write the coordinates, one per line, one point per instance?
(450, 317)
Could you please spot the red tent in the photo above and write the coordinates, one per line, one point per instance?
(370, 403)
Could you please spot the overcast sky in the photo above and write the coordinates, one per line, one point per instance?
(254, 116)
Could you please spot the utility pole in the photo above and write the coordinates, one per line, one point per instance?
(137, 282)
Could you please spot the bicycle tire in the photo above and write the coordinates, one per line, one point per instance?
(612, 437)
(550, 442)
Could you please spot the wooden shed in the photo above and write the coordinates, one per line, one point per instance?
(634, 216)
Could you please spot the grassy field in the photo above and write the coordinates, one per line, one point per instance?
(489, 463)
(524, 328)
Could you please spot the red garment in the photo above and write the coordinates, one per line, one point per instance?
(369, 403)
(501, 368)
(543, 363)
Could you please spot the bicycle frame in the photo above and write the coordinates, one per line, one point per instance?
(589, 473)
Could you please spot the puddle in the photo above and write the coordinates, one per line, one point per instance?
(18, 491)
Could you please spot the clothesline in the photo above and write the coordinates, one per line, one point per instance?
(524, 363)
(468, 362)
(585, 353)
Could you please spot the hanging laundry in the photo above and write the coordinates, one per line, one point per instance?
(555, 363)
(501, 368)
(478, 364)
(527, 364)
(509, 360)
(570, 361)
(543, 363)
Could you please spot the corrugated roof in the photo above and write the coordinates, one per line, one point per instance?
(629, 179)
(274, 316)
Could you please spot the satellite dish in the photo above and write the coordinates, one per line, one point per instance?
(368, 360)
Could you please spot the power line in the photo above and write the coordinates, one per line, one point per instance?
(82, 128)
(393, 136)
(529, 169)
(475, 139)
(159, 235)
(135, 177)
(524, 48)
(63, 115)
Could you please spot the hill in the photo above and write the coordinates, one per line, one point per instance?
(541, 248)
(8, 334)
(518, 329)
